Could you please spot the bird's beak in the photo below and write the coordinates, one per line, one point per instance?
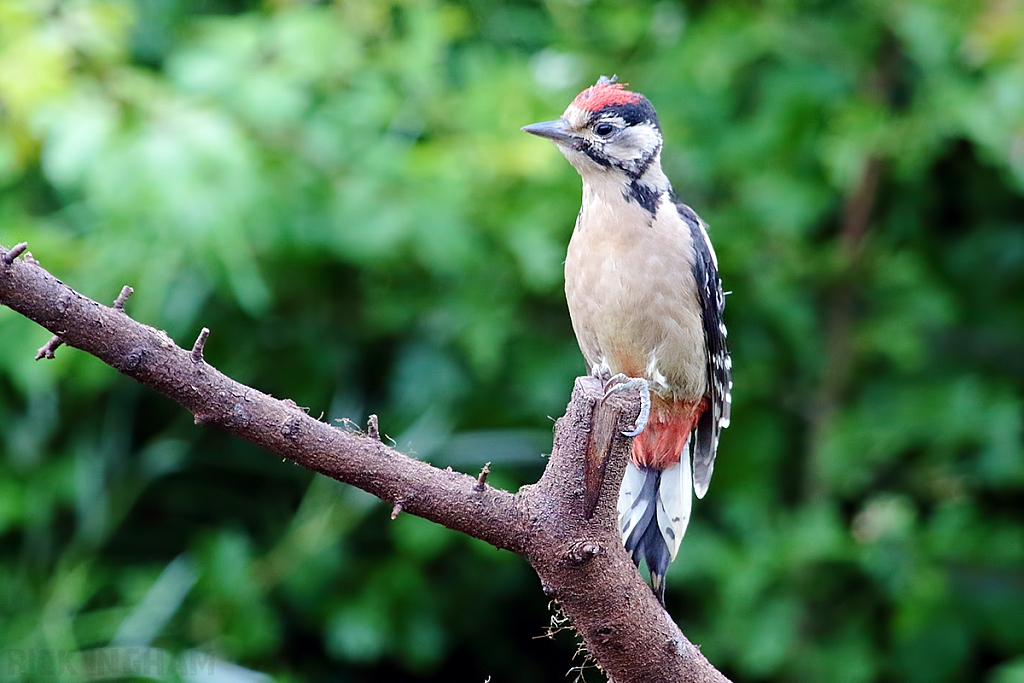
(552, 130)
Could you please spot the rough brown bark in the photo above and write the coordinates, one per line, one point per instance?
(581, 562)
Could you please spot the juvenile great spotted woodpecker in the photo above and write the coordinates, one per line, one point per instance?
(646, 302)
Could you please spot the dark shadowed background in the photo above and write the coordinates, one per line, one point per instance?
(340, 191)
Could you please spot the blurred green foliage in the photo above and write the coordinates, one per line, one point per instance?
(340, 191)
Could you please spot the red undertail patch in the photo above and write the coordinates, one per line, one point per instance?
(661, 443)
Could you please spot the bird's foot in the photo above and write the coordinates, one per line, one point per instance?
(619, 383)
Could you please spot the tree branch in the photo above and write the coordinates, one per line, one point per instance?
(581, 562)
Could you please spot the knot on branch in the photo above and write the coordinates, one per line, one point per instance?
(292, 429)
(135, 359)
(582, 552)
(203, 419)
(675, 647)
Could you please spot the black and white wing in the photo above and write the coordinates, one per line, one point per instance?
(711, 298)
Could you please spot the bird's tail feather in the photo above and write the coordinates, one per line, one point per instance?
(675, 499)
(654, 509)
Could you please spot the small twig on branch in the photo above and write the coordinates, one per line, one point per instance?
(14, 253)
(373, 428)
(397, 510)
(126, 292)
(197, 348)
(481, 480)
(47, 349)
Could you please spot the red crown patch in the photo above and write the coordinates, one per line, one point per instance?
(604, 94)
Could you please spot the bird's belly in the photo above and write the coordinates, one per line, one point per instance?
(633, 308)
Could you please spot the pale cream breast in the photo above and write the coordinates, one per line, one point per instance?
(631, 293)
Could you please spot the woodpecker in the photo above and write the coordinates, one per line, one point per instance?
(646, 303)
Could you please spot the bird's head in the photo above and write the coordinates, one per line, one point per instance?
(608, 129)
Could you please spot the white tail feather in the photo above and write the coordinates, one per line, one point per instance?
(675, 499)
(631, 505)
(701, 487)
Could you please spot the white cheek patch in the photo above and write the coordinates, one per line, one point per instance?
(634, 143)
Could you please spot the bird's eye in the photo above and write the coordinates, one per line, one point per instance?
(604, 129)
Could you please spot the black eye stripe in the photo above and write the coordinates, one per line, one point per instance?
(598, 157)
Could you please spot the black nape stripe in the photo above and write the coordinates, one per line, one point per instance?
(644, 195)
